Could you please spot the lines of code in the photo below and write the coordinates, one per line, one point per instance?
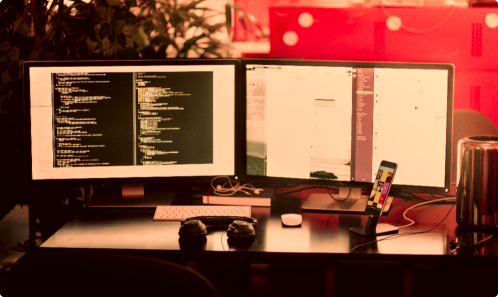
(118, 119)
(93, 119)
(174, 118)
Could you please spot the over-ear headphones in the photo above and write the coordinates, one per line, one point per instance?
(238, 227)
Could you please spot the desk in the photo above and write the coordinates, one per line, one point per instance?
(323, 240)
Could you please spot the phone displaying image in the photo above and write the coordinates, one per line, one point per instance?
(381, 188)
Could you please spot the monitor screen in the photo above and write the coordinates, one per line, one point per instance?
(332, 123)
(136, 120)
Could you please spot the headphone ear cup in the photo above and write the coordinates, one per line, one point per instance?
(241, 229)
(192, 229)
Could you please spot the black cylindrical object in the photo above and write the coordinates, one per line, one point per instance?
(477, 182)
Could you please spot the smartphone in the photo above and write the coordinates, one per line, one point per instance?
(381, 187)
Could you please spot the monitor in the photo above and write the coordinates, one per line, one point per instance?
(331, 123)
(131, 121)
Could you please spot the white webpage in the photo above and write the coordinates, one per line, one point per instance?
(307, 122)
(410, 124)
(296, 129)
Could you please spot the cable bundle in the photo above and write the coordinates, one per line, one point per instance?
(229, 189)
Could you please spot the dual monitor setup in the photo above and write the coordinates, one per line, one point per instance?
(325, 123)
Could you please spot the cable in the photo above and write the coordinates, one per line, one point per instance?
(319, 187)
(405, 195)
(420, 204)
(405, 234)
(456, 247)
(339, 200)
(304, 189)
(418, 196)
(223, 190)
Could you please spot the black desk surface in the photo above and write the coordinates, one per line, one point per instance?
(319, 255)
(321, 237)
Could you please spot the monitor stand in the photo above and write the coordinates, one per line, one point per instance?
(374, 229)
(131, 195)
(348, 200)
(132, 191)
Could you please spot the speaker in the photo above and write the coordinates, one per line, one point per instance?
(237, 227)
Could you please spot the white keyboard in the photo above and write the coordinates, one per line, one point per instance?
(180, 212)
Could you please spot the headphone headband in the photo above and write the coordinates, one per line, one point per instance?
(220, 221)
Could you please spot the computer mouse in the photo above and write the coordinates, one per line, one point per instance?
(291, 219)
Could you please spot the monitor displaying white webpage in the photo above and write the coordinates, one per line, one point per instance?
(339, 123)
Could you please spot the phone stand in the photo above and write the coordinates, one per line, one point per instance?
(372, 228)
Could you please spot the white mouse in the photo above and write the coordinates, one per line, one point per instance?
(291, 219)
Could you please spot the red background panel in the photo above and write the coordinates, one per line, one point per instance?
(428, 34)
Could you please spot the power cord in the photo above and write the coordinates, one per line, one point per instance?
(304, 189)
(412, 233)
(418, 196)
(339, 200)
(412, 222)
(456, 247)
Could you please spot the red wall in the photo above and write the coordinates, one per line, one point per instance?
(430, 34)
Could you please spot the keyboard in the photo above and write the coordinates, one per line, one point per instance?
(180, 212)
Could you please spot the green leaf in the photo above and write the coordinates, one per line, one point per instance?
(14, 53)
(4, 57)
(114, 2)
(129, 30)
(148, 26)
(228, 16)
(118, 27)
(197, 22)
(175, 19)
(193, 4)
(240, 14)
(5, 46)
(130, 3)
(130, 18)
(14, 70)
(121, 39)
(215, 28)
(162, 18)
(104, 30)
(214, 52)
(67, 28)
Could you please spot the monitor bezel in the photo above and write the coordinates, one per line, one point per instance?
(126, 180)
(351, 184)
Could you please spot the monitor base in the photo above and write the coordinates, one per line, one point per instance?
(374, 229)
(355, 203)
(139, 195)
(132, 190)
(382, 229)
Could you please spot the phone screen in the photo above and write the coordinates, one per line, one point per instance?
(381, 187)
